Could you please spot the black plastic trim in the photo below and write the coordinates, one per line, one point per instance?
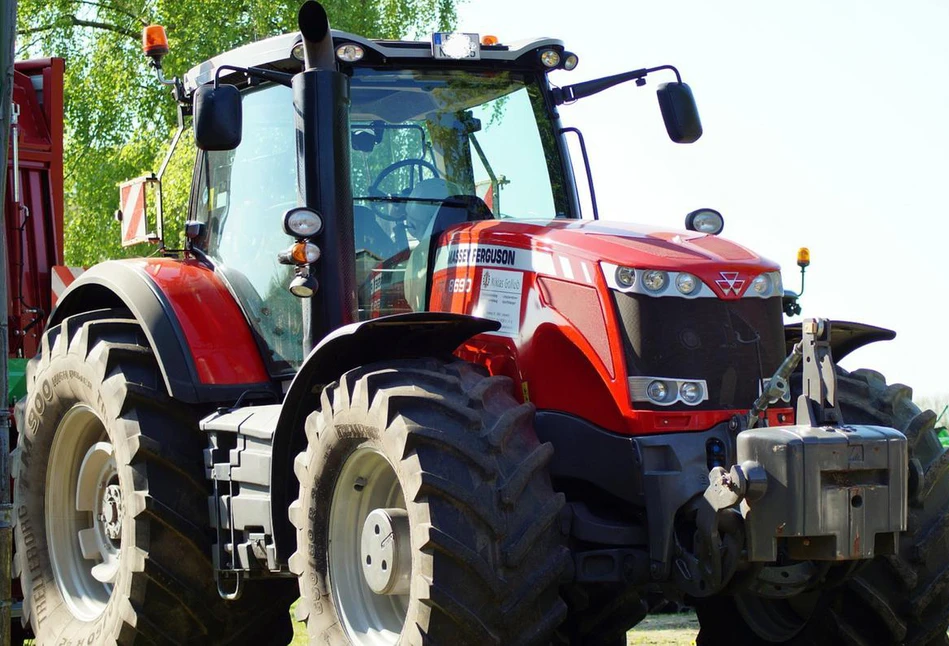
(845, 336)
(658, 473)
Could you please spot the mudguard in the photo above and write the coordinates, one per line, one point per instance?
(402, 336)
(845, 336)
(204, 346)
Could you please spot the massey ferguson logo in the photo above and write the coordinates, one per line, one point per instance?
(730, 283)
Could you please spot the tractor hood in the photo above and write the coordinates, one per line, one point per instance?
(617, 243)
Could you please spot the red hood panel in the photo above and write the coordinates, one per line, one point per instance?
(620, 243)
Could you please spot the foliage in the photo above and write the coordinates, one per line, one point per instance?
(119, 119)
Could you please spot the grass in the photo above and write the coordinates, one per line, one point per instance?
(678, 629)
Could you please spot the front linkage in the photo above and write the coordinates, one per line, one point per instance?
(819, 491)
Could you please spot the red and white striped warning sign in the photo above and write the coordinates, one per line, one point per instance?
(63, 277)
(132, 204)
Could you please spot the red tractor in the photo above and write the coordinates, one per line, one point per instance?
(394, 373)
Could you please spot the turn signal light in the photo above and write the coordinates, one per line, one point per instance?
(300, 253)
(154, 41)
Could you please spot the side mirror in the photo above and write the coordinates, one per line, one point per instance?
(679, 112)
(217, 117)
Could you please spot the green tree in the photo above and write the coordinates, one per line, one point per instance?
(119, 119)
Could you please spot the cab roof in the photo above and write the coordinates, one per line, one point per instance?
(278, 53)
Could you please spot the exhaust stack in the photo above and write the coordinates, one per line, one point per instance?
(317, 39)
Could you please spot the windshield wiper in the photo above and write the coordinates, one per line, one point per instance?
(399, 198)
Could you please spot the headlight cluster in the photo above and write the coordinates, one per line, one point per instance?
(666, 391)
(655, 282)
(552, 58)
(301, 223)
(659, 282)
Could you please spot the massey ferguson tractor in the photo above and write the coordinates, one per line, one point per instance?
(394, 374)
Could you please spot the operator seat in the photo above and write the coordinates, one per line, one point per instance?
(455, 209)
(373, 245)
(369, 235)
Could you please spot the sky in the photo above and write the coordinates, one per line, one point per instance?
(826, 126)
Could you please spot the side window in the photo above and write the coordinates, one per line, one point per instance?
(242, 195)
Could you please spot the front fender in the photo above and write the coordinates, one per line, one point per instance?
(203, 344)
(402, 336)
(845, 336)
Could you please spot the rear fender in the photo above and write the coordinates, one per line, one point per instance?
(845, 336)
(402, 336)
(203, 344)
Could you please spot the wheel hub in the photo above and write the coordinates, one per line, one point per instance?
(111, 516)
(385, 551)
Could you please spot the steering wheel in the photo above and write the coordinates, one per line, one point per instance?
(391, 168)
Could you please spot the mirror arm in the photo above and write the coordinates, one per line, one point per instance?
(789, 301)
(588, 88)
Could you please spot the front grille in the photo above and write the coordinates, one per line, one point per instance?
(732, 345)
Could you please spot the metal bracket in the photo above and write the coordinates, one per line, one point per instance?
(818, 406)
(719, 535)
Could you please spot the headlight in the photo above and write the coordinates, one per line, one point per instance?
(655, 280)
(550, 58)
(625, 276)
(302, 222)
(657, 391)
(686, 283)
(350, 53)
(762, 285)
(691, 392)
(766, 285)
(707, 221)
(667, 391)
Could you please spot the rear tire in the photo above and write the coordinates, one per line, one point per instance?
(111, 503)
(897, 599)
(446, 448)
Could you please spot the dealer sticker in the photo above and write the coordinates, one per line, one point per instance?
(500, 299)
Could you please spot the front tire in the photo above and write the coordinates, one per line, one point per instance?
(425, 512)
(896, 599)
(111, 503)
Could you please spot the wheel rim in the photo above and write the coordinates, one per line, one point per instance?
(84, 512)
(776, 620)
(368, 486)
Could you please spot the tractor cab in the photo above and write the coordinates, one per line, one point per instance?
(428, 134)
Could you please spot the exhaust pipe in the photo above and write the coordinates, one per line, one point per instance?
(317, 39)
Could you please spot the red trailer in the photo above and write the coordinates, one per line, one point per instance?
(33, 210)
(33, 216)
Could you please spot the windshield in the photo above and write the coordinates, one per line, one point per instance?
(421, 136)
(480, 133)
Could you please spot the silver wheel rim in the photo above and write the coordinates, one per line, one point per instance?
(84, 512)
(366, 483)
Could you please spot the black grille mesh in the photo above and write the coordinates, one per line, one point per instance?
(730, 344)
